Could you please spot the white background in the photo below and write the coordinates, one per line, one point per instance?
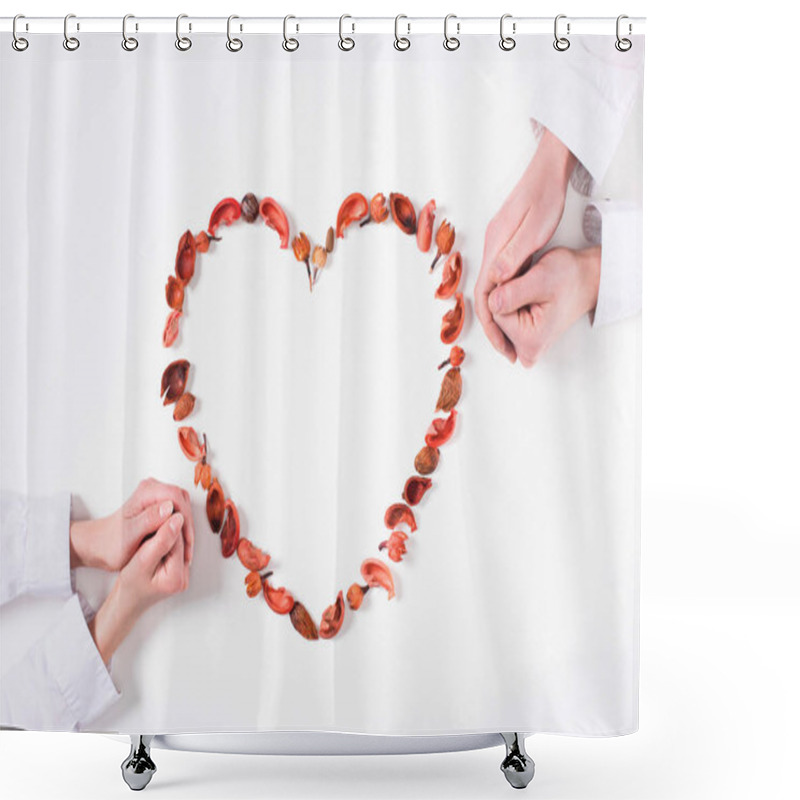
(719, 587)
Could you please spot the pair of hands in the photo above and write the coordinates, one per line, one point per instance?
(523, 309)
(149, 540)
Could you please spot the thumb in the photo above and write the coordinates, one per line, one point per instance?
(154, 549)
(518, 292)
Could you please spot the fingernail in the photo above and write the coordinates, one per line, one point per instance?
(165, 508)
(176, 522)
(496, 301)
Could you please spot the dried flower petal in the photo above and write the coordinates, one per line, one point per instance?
(252, 557)
(249, 207)
(301, 246)
(353, 207)
(355, 595)
(190, 444)
(278, 599)
(376, 573)
(403, 212)
(173, 380)
(171, 328)
(183, 407)
(302, 622)
(332, 618)
(229, 534)
(215, 506)
(329, 240)
(397, 513)
(441, 429)
(451, 390)
(201, 242)
(253, 583)
(451, 276)
(224, 213)
(275, 218)
(319, 257)
(415, 489)
(184, 260)
(425, 226)
(453, 321)
(445, 237)
(174, 293)
(377, 208)
(456, 358)
(427, 460)
(395, 545)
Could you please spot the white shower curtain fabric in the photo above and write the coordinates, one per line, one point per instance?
(515, 605)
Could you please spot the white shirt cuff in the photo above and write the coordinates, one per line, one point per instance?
(617, 227)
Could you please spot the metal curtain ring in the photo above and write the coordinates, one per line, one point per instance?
(18, 42)
(507, 42)
(233, 44)
(129, 43)
(561, 43)
(70, 42)
(451, 42)
(346, 42)
(401, 42)
(623, 45)
(181, 42)
(289, 44)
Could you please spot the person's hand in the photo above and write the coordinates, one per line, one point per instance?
(534, 309)
(524, 224)
(109, 542)
(156, 570)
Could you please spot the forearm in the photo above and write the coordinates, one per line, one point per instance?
(557, 159)
(88, 540)
(112, 623)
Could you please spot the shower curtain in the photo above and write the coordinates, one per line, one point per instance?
(367, 324)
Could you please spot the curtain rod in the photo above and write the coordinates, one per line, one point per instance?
(326, 25)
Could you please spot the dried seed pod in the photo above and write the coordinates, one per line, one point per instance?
(202, 473)
(425, 226)
(355, 595)
(445, 237)
(229, 533)
(415, 489)
(451, 390)
(451, 276)
(275, 218)
(376, 573)
(215, 506)
(453, 321)
(252, 557)
(190, 444)
(318, 258)
(253, 583)
(184, 260)
(173, 380)
(174, 293)
(353, 207)
(456, 358)
(278, 599)
(301, 246)
(403, 212)
(171, 328)
(427, 460)
(332, 618)
(441, 429)
(249, 207)
(398, 513)
(302, 621)
(183, 407)
(329, 240)
(224, 213)
(377, 208)
(201, 242)
(395, 545)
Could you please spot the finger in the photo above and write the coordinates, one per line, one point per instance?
(493, 333)
(149, 520)
(151, 491)
(153, 550)
(527, 330)
(519, 292)
(523, 241)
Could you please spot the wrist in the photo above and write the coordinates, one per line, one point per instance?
(589, 264)
(113, 622)
(79, 535)
(557, 157)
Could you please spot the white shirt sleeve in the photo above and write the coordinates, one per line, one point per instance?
(61, 682)
(617, 227)
(585, 99)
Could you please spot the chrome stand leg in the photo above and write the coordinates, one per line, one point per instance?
(138, 767)
(517, 766)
